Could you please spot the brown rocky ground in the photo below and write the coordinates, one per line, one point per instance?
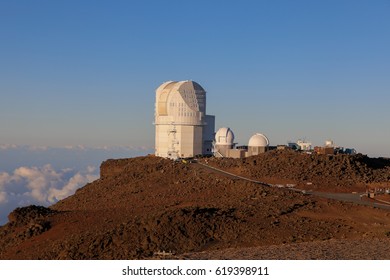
(330, 173)
(143, 206)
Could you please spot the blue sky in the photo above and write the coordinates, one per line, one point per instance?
(85, 72)
(78, 79)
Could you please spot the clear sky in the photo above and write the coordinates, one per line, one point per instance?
(85, 72)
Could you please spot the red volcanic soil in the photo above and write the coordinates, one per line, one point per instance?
(143, 206)
(329, 173)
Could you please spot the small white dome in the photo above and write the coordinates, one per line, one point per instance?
(224, 136)
(258, 140)
(329, 143)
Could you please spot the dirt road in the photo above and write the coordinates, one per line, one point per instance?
(346, 197)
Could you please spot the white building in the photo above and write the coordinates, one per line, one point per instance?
(224, 145)
(257, 144)
(224, 142)
(300, 145)
(304, 145)
(182, 127)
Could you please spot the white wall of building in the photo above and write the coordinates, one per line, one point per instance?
(182, 127)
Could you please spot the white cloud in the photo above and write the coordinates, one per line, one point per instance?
(55, 194)
(8, 146)
(3, 197)
(38, 180)
(4, 178)
(26, 178)
(40, 185)
(77, 147)
(91, 169)
(37, 148)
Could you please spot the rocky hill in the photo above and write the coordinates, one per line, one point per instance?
(338, 173)
(141, 207)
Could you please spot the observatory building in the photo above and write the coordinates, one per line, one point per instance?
(182, 127)
(258, 144)
(224, 145)
(224, 142)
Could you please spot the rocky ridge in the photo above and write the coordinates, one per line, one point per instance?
(141, 207)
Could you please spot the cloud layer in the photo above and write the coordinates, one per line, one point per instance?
(39, 185)
(43, 175)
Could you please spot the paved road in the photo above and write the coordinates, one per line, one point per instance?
(350, 197)
(231, 175)
(346, 197)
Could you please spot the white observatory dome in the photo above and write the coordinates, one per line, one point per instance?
(329, 143)
(180, 103)
(224, 136)
(258, 140)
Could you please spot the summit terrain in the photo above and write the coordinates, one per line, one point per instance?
(150, 207)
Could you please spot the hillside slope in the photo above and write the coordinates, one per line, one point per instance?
(337, 173)
(146, 205)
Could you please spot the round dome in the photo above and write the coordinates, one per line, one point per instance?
(258, 140)
(190, 85)
(180, 102)
(224, 136)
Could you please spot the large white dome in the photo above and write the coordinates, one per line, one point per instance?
(180, 103)
(258, 140)
(224, 136)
